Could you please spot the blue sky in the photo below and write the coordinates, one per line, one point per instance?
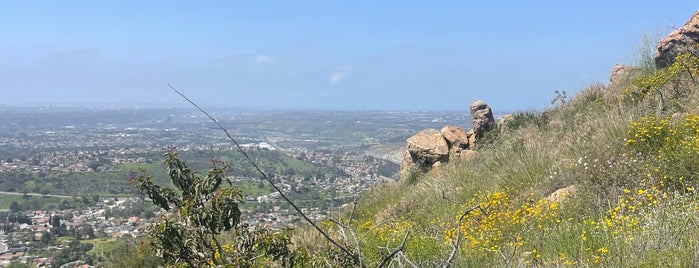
(388, 55)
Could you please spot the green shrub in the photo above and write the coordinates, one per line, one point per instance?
(204, 227)
(669, 146)
(669, 83)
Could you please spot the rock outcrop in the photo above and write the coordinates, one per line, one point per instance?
(426, 148)
(621, 74)
(683, 39)
(482, 116)
(430, 148)
(455, 136)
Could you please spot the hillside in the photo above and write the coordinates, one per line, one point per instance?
(607, 178)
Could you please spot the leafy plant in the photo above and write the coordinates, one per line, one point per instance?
(670, 146)
(201, 211)
(560, 99)
(669, 83)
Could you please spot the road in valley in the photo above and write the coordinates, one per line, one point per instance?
(35, 194)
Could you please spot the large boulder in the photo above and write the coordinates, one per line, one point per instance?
(621, 74)
(482, 116)
(683, 39)
(455, 136)
(408, 162)
(430, 148)
(426, 148)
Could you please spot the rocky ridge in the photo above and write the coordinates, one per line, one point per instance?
(430, 148)
(686, 38)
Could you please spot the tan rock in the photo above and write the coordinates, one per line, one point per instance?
(407, 162)
(467, 154)
(428, 147)
(454, 151)
(560, 194)
(482, 117)
(621, 74)
(505, 118)
(683, 39)
(471, 138)
(455, 136)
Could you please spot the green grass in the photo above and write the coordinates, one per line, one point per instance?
(253, 188)
(104, 246)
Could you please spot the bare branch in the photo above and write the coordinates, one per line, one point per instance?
(395, 251)
(354, 206)
(264, 175)
(405, 258)
(341, 229)
(354, 237)
(514, 252)
(455, 245)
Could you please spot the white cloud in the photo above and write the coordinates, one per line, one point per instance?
(340, 74)
(263, 58)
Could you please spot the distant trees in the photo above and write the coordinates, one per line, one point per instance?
(82, 231)
(74, 251)
(93, 165)
(47, 238)
(14, 207)
(55, 221)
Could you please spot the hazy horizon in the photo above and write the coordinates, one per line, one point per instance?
(219, 108)
(318, 56)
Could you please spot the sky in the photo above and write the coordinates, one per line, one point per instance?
(337, 55)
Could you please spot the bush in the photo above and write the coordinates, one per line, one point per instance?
(670, 146)
(202, 226)
(669, 83)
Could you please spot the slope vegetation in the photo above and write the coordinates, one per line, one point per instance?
(607, 178)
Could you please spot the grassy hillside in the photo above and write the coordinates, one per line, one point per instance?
(627, 158)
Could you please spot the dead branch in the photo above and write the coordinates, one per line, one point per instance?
(354, 207)
(405, 258)
(455, 245)
(395, 251)
(514, 252)
(342, 228)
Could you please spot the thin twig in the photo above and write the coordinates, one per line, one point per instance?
(395, 251)
(354, 206)
(264, 175)
(514, 252)
(342, 228)
(455, 245)
(405, 258)
(354, 236)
